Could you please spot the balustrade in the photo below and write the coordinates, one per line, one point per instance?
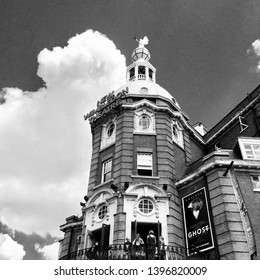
(117, 252)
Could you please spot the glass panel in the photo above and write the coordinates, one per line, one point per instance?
(144, 160)
(145, 206)
(246, 146)
(102, 212)
(151, 73)
(141, 70)
(144, 122)
(107, 176)
(110, 129)
(132, 72)
(107, 166)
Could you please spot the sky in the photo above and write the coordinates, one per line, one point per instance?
(58, 57)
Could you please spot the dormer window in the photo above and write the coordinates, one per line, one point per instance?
(250, 148)
(144, 122)
(177, 133)
(108, 136)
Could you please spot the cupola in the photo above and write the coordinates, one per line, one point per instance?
(141, 68)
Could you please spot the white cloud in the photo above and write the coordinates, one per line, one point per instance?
(256, 50)
(50, 252)
(45, 144)
(10, 249)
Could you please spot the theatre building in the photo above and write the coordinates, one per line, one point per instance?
(151, 170)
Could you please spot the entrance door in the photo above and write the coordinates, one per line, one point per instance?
(101, 236)
(144, 228)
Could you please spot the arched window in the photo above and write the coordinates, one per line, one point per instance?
(110, 129)
(144, 122)
(177, 133)
(108, 136)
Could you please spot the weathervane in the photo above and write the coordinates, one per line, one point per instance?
(142, 42)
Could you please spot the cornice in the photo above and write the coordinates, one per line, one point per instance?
(232, 120)
(176, 114)
(206, 168)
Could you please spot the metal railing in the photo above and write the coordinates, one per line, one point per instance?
(117, 252)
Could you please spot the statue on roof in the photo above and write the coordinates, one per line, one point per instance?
(142, 42)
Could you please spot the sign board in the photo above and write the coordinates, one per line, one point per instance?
(105, 105)
(198, 229)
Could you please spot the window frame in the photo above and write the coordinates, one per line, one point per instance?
(104, 213)
(179, 132)
(142, 209)
(251, 142)
(144, 116)
(254, 182)
(108, 129)
(104, 173)
(106, 139)
(142, 168)
(137, 117)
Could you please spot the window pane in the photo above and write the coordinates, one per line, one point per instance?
(144, 164)
(150, 73)
(107, 167)
(250, 148)
(110, 129)
(107, 176)
(102, 212)
(144, 122)
(144, 160)
(146, 206)
(132, 72)
(175, 132)
(141, 70)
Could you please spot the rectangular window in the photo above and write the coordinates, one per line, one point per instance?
(107, 170)
(256, 182)
(250, 148)
(144, 164)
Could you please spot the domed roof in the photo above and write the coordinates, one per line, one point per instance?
(148, 88)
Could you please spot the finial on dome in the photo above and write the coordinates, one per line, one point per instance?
(141, 52)
(142, 42)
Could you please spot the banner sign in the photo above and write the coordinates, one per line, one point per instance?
(244, 216)
(198, 230)
(105, 105)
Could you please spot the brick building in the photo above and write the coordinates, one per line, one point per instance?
(152, 170)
